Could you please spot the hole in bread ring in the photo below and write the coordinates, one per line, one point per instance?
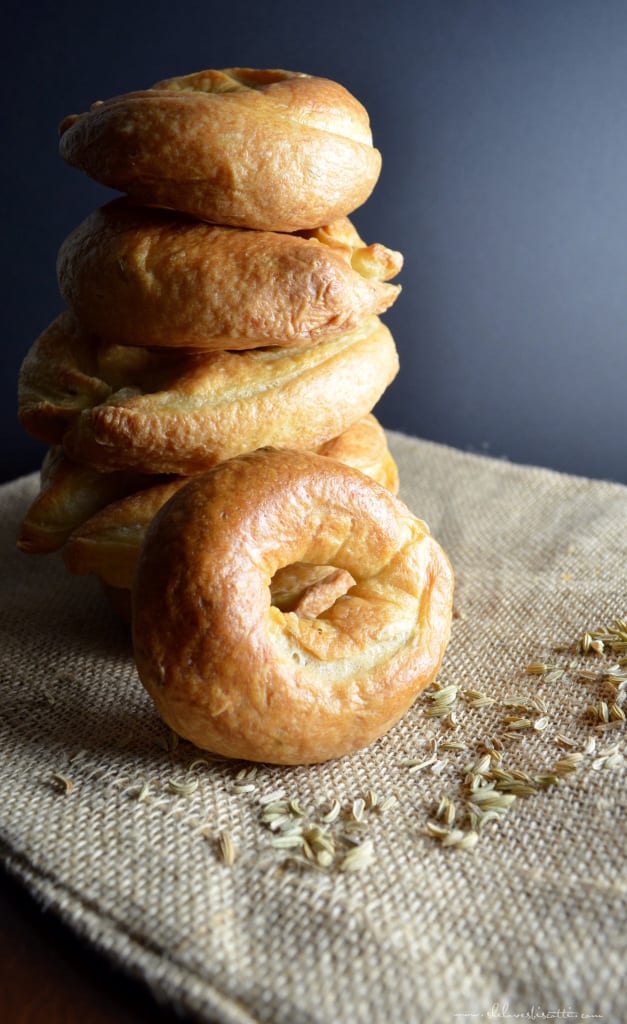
(237, 675)
(307, 589)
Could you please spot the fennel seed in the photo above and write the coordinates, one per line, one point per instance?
(226, 848)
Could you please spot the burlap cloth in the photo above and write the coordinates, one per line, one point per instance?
(530, 921)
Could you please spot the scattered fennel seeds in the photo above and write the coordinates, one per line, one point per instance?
(480, 767)
(490, 789)
(358, 808)
(444, 694)
(324, 859)
(331, 838)
(446, 811)
(477, 699)
(617, 689)
(372, 799)
(384, 805)
(143, 793)
(245, 780)
(460, 839)
(226, 847)
(616, 675)
(568, 763)
(359, 857)
(243, 787)
(554, 675)
(493, 744)
(453, 745)
(450, 721)
(514, 787)
(209, 759)
(277, 821)
(441, 699)
(333, 813)
(432, 828)
(515, 723)
(484, 799)
(273, 797)
(288, 840)
(590, 745)
(611, 757)
(550, 672)
(604, 713)
(599, 712)
(533, 704)
(183, 787)
(611, 638)
(456, 837)
(62, 783)
(537, 668)
(418, 766)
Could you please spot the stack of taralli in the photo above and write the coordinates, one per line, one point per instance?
(208, 398)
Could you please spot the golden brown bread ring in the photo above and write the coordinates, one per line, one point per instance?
(234, 674)
(265, 149)
(115, 407)
(107, 544)
(70, 495)
(67, 370)
(364, 446)
(147, 277)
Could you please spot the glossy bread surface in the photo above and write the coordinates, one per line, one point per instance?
(148, 277)
(114, 407)
(233, 673)
(266, 149)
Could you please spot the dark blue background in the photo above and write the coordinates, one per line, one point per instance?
(503, 128)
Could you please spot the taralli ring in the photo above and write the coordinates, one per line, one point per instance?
(232, 672)
(69, 496)
(275, 150)
(116, 407)
(108, 542)
(146, 277)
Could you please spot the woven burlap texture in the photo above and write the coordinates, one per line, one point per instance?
(531, 920)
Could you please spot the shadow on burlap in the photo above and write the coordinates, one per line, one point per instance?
(532, 919)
